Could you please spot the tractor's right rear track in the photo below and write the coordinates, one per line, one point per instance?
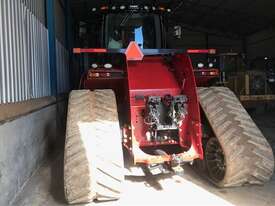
(238, 153)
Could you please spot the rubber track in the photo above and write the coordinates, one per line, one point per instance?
(93, 158)
(248, 155)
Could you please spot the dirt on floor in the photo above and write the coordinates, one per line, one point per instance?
(46, 186)
(11, 111)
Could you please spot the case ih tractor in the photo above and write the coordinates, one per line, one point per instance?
(135, 95)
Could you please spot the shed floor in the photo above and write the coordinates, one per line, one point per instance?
(46, 186)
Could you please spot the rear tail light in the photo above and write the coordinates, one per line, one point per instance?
(213, 73)
(99, 74)
(95, 75)
(104, 8)
(207, 73)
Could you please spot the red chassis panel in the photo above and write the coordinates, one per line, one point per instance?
(153, 77)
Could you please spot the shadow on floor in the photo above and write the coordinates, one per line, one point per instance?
(57, 180)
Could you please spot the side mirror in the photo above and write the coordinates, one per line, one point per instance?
(177, 32)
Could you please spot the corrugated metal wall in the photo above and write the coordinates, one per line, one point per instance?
(24, 59)
(37, 7)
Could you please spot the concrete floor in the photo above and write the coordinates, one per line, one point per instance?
(46, 186)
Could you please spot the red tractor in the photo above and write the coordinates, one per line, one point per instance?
(138, 96)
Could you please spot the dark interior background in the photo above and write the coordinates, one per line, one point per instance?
(227, 25)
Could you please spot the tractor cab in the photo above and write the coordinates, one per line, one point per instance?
(123, 28)
(117, 26)
(122, 24)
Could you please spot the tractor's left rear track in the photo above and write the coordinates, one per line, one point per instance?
(93, 162)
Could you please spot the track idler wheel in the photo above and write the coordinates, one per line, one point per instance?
(214, 160)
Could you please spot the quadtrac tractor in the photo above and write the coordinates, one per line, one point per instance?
(136, 95)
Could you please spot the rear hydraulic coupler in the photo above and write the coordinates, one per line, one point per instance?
(164, 116)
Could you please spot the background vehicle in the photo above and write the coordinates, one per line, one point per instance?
(266, 65)
(251, 82)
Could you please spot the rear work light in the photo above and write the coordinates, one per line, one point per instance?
(108, 66)
(94, 66)
(131, 7)
(122, 7)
